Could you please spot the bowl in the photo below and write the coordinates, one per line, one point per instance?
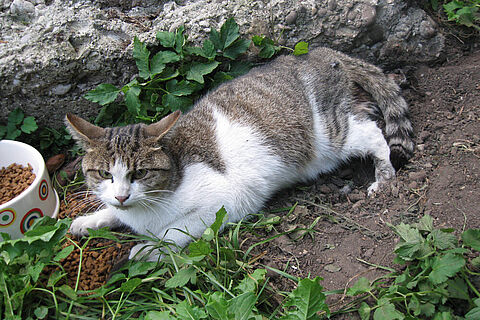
(38, 200)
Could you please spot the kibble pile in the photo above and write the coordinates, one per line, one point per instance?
(99, 256)
(14, 180)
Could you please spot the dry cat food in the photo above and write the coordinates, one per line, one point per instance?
(14, 180)
(99, 255)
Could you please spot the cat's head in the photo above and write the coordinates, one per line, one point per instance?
(125, 166)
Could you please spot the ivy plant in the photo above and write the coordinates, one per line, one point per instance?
(17, 123)
(172, 75)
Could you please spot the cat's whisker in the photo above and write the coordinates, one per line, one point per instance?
(158, 191)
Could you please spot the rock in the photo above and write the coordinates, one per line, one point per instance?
(368, 253)
(291, 17)
(413, 185)
(54, 163)
(418, 176)
(324, 189)
(332, 268)
(354, 197)
(427, 29)
(61, 89)
(69, 47)
(22, 9)
(358, 204)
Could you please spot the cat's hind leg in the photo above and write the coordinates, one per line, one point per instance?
(365, 138)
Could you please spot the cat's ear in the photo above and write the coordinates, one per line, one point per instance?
(160, 128)
(82, 131)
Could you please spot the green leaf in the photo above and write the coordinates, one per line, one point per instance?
(182, 277)
(217, 306)
(166, 57)
(241, 306)
(364, 311)
(3, 131)
(446, 315)
(29, 125)
(229, 33)
(266, 45)
(141, 56)
(408, 234)
(208, 49)
(103, 94)
(176, 103)
(457, 288)
(64, 253)
(451, 8)
(237, 48)
(138, 268)
(361, 286)
(208, 235)
(220, 217)
(166, 39)
(473, 314)
(216, 39)
(387, 311)
(425, 223)
(35, 270)
(160, 60)
(187, 312)
(471, 238)
(300, 48)
(158, 315)
(251, 281)
(443, 240)
(16, 116)
(182, 88)
(68, 291)
(199, 248)
(133, 102)
(180, 39)
(55, 277)
(308, 299)
(130, 285)
(12, 133)
(41, 312)
(198, 70)
(445, 266)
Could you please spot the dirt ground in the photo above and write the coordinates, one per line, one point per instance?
(442, 179)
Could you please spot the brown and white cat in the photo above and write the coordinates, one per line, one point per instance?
(282, 123)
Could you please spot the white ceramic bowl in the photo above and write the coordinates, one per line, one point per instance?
(38, 200)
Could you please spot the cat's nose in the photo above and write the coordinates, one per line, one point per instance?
(122, 199)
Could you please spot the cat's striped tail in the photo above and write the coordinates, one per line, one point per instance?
(386, 93)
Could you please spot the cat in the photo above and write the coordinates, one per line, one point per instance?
(282, 123)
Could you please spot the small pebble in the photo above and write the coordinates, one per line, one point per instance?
(418, 176)
(291, 18)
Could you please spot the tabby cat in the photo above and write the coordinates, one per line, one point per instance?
(280, 124)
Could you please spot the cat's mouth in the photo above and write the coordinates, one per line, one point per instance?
(121, 206)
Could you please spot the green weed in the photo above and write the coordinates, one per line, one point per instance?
(173, 74)
(17, 124)
(464, 13)
(211, 279)
(437, 279)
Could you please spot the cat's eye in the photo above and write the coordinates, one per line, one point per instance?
(105, 174)
(139, 174)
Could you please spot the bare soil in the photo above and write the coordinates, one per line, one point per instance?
(442, 180)
(351, 229)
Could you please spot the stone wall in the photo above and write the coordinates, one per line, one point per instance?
(53, 52)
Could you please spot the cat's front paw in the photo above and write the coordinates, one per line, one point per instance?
(80, 225)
